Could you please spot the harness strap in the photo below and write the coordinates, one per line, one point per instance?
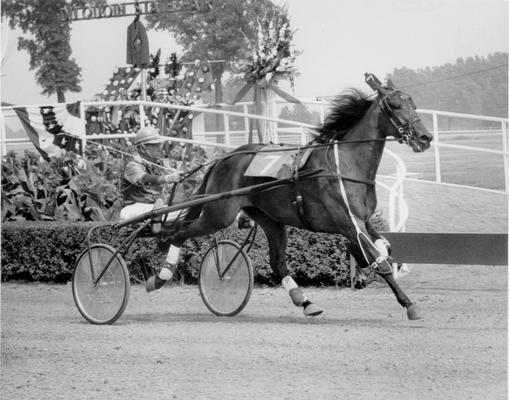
(362, 238)
(347, 178)
(298, 202)
(345, 198)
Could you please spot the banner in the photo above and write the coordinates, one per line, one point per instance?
(53, 128)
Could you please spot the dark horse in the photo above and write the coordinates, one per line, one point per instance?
(340, 199)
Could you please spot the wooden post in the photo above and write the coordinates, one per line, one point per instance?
(505, 144)
(246, 124)
(353, 265)
(3, 135)
(438, 174)
(84, 122)
(226, 122)
(143, 85)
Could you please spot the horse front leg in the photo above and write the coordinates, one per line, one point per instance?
(277, 238)
(372, 249)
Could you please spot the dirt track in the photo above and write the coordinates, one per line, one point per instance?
(167, 344)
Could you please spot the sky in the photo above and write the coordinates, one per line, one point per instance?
(340, 41)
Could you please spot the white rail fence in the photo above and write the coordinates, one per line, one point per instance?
(291, 132)
(501, 131)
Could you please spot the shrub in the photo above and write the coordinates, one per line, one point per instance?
(47, 251)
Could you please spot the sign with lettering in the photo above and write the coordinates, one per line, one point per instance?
(69, 13)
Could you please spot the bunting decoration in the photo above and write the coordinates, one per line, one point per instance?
(271, 60)
(53, 128)
(183, 84)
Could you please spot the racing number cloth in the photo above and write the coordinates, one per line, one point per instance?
(277, 164)
(137, 45)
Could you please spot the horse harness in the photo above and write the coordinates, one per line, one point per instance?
(404, 128)
(299, 161)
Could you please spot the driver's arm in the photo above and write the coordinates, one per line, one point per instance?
(136, 174)
(148, 179)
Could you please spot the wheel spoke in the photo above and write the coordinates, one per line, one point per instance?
(105, 302)
(226, 279)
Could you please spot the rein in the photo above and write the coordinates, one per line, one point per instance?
(307, 146)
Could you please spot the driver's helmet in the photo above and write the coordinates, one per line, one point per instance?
(148, 135)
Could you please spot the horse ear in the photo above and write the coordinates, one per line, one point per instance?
(390, 84)
(373, 82)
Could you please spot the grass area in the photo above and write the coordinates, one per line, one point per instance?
(459, 166)
(439, 208)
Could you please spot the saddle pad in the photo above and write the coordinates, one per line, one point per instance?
(275, 164)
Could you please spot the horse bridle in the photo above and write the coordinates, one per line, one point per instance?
(405, 129)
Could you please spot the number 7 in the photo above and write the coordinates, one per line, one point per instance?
(274, 159)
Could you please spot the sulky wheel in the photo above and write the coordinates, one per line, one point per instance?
(104, 302)
(226, 278)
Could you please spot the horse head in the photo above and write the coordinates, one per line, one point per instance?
(399, 109)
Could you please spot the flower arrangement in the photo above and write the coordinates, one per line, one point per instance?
(271, 56)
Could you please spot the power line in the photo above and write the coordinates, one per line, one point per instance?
(455, 77)
(432, 82)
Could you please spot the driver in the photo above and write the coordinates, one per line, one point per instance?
(142, 184)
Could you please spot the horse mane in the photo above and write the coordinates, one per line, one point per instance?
(347, 109)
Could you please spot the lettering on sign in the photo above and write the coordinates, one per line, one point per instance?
(70, 13)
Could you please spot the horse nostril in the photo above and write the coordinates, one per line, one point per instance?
(425, 137)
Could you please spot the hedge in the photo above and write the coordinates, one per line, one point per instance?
(46, 251)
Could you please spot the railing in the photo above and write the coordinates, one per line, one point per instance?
(437, 134)
(297, 133)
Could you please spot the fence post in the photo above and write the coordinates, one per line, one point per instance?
(3, 134)
(505, 141)
(226, 121)
(141, 110)
(84, 122)
(303, 139)
(353, 265)
(438, 173)
(274, 127)
(246, 123)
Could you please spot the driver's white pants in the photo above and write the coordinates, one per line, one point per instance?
(133, 210)
(136, 209)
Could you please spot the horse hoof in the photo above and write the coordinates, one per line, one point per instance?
(413, 312)
(312, 310)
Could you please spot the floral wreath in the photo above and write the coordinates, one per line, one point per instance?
(271, 58)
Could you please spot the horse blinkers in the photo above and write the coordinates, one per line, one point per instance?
(391, 99)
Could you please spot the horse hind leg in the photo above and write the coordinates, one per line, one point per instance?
(213, 217)
(299, 298)
(277, 238)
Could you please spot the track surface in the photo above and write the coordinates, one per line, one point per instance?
(167, 345)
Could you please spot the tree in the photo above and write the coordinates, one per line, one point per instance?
(221, 33)
(475, 85)
(300, 113)
(48, 44)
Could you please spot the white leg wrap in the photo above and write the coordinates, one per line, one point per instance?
(165, 274)
(381, 247)
(289, 283)
(173, 255)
